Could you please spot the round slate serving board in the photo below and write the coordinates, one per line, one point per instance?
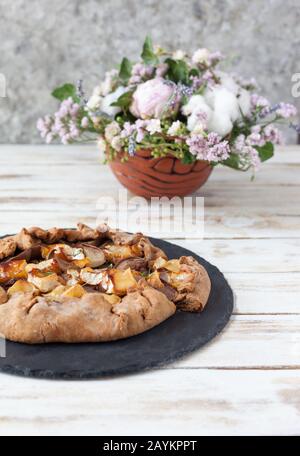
(179, 335)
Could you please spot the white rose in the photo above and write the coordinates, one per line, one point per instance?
(201, 56)
(111, 98)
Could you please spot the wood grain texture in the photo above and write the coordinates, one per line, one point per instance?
(164, 402)
(246, 381)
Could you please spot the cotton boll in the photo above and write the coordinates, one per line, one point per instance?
(220, 123)
(228, 82)
(223, 101)
(192, 122)
(244, 101)
(196, 102)
(198, 113)
(111, 98)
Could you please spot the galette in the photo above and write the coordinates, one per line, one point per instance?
(91, 285)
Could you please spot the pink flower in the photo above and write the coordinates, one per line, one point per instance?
(210, 148)
(286, 110)
(272, 134)
(153, 99)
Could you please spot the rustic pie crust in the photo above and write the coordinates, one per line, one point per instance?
(91, 285)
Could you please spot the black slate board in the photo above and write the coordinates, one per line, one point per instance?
(179, 335)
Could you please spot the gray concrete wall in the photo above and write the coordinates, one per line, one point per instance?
(44, 43)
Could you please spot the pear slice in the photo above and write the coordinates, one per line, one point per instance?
(76, 291)
(21, 286)
(123, 281)
(45, 282)
(116, 253)
(13, 270)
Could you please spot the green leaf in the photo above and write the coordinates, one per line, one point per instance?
(194, 72)
(178, 71)
(187, 158)
(232, 161)
(265, 152)
(124, 101)
(65, 91)
(125, 70)
(148, 55)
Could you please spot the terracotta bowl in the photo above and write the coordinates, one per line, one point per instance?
(146, 176)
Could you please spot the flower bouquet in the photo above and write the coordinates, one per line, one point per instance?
(165, 122)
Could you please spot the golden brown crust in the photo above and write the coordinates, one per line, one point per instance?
(92, 318)
(196, 295)
(8, 247)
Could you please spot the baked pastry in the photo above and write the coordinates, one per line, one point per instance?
(91, 285)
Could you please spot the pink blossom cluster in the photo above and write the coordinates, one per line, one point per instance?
(140, 128)
(281, 110)
(207, 78)
(259, 103)
(139, 72)
(286, 110)
(209, 148)
(259, 136)
(64, 123)
(248, 155)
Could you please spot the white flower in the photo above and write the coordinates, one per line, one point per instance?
(112, 130)
(198, 112)
(94, 102)
(225, 110)
(201, 56)
(108, 84)
(111, 98)
(101, 146)
(174, 128)
(244, 100)
(195, 103)
(178, 55)
(243, 96)
(153, 126)
(220, 123)
(227, 81)
(116, 143)
(97, 90)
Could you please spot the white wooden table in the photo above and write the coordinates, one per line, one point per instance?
(247, 380)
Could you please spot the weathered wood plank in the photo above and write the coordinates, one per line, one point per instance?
(256, 341)
(249, 255)
(180, 402)
(259, 293)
